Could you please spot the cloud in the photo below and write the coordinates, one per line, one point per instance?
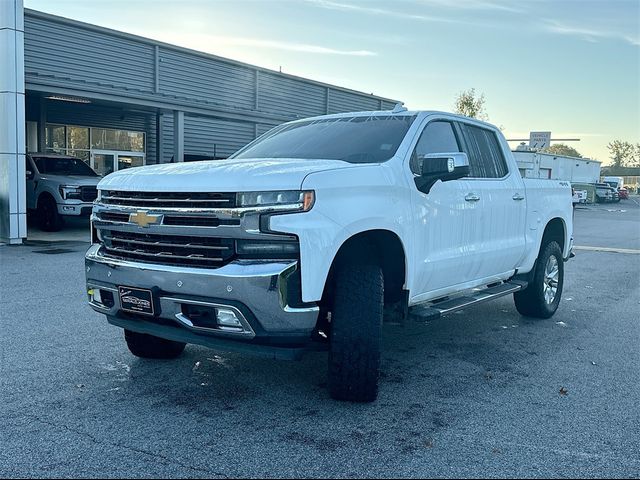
(203, 42)
(588, 34)
(292, 46)
(360, 8)
(473, 5)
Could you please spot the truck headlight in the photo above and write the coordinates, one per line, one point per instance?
(70, 192)
(295, 199)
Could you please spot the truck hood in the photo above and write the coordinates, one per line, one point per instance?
(220, 175)
(75, 180)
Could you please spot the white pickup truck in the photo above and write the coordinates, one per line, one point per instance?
(319, 231)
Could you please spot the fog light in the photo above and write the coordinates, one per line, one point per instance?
(96, 295)
(227, 318)
(68, 209)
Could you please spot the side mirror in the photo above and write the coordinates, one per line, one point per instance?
(29, 175)
(441, 166)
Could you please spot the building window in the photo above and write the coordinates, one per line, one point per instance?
(104, 149)
(78, 137)
(56, 137)
(120, 140)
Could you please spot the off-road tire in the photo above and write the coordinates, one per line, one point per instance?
(356, 330)
(148, 346)
(49, 219)
(531, 301)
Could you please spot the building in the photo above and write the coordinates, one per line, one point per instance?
(118, 100)
(557, 167)
(630, 176)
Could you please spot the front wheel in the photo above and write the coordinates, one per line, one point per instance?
(356, 330)
(48, 217)
(542, 296)
(148, 346)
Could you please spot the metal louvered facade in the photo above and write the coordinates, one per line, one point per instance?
(215, 105)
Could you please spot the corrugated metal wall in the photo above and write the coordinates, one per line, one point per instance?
(196, 78)
(290, 96)
(84, 58)
(226, 102)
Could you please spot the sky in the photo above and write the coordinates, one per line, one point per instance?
(570, 67)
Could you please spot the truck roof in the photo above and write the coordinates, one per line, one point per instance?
(395, 112)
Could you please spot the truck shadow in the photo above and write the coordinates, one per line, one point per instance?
(427, 370)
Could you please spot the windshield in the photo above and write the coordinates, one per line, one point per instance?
(371, 139)
(64, 166)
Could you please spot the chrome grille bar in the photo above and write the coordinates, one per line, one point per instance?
(163, 254)
(211, 252)
(160, 244)
(197, 200)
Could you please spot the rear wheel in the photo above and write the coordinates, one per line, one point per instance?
(356, 330)
(48, 217)
(148, 346)
(542, 297)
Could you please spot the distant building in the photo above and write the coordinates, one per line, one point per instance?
(557, 167)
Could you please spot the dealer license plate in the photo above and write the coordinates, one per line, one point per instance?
(136, 300)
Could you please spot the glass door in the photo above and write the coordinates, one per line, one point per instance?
(103, 163)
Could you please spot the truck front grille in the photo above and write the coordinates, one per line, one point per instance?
(88, 194)
(156, 200)
(209, 252)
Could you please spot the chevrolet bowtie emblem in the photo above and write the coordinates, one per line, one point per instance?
(143, 219)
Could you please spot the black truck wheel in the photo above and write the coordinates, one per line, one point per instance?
(148, 346)
(49, 219)
(356, 330)
(542, 297)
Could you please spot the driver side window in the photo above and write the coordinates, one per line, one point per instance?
(437, 137)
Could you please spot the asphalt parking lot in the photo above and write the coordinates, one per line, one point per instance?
(481, 393)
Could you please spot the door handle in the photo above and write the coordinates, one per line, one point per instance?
(517, 196)
(472, 197)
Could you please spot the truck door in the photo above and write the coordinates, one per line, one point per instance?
(446, 220)
(500, 239)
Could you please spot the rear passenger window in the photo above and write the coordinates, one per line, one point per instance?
(437, 137)
(485, 155)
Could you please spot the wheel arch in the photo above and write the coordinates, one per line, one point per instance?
(44, 194)
(382, 246)
(555, 230)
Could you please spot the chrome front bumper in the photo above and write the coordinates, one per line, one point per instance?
(260, 292)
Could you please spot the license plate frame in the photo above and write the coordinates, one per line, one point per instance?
(137, 300)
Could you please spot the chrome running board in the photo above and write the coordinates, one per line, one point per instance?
(434, 309)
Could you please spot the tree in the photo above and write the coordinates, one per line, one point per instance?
(562, 149)
(623, 154)
(470, 105)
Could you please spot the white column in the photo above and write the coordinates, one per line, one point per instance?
(13, 205)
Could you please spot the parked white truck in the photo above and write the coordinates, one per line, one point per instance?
(317, 232)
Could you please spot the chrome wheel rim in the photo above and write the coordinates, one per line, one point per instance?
(551, 278)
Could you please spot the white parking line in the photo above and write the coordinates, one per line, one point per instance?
(607, 249)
